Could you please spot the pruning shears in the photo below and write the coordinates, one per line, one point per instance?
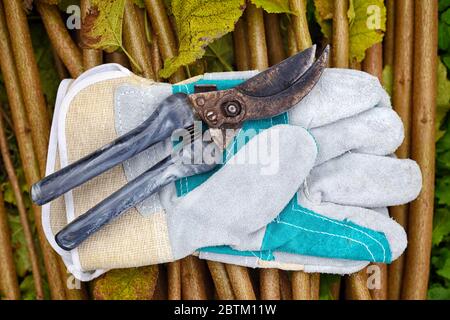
(265, 95)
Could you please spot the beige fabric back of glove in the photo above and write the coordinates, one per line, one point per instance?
(128, 240)
(84, 121)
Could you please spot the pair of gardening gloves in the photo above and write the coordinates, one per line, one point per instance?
(306, 190)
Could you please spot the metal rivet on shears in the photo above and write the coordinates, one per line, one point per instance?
(200, 101)
(211, 116)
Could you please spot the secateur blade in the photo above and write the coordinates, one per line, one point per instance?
(279, 77)
(266, 95)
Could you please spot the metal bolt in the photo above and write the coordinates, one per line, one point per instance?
(232, 108)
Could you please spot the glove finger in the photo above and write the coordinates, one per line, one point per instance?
(394, 233)
(339, 94)
(291, 261)
(378, 131)
(365, 180)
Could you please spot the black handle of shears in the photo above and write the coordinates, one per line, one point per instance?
(173, 113)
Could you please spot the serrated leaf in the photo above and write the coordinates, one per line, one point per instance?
(273, 6)
(443, 98)
(200, 22)
(366, 26)
(126, 284)
(102, 27)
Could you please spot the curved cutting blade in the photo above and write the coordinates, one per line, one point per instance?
(263, 96)
(280, 76)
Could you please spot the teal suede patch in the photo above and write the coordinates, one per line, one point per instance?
(296, 230)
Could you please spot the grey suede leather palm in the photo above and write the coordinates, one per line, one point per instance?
(132, 106)
(237, 202)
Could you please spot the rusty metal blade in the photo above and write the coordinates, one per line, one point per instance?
(280, 76)
(264, 96)
(266, 107)
(292, 95)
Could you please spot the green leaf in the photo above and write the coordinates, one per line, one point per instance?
(446, 60)
(326, 283)
(444, 161)
(367, 23)
(126, 284)
(443, 190)
(324, 16)
(273, 6)
(443, 4)
(199, 23)
(351, 14)
(438, 292)
(441, 261)
(46, 63)
(27, 288)
(443, 98)
(219, 55)
(102, 27)
(8, 194)
(443, 145)
(444, 36)
(445, 16)
(388, 79)
(368, 27)
(21, 258)
(441, 225)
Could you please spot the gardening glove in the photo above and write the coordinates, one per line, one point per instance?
(356, 131)
(231, 208)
